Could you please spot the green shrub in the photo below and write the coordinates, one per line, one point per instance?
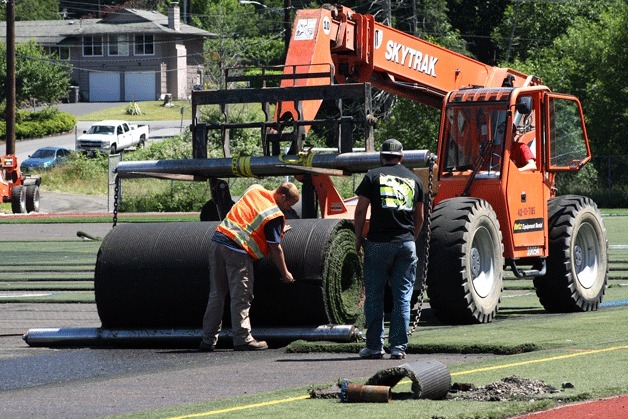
(80, 174)
(587, 182)
(39, 124)
(179, 147)
(243, 141)
(175, 196)
(133, 109)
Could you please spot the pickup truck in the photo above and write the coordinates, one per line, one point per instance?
(112, 136)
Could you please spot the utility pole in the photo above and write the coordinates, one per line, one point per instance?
(9, 113)
(287, 21)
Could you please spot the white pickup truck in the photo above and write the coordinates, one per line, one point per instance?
(112, 136)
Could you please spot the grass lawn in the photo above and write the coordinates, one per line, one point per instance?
(150, 111)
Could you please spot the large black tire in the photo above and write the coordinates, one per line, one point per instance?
(466, 262)
(577, 264)
(32, 198)
(18, 200)
(113, 150)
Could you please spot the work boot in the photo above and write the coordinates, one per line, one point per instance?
(205, 347)
(253, 345)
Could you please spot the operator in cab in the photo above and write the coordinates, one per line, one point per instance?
(521, 154)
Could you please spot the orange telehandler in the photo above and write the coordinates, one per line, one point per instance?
(487, 214)
(21, 191)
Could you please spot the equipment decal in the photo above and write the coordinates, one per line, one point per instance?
(305, 30)
(534, 251)
(530, 224)
(326, 25)
(414, 59)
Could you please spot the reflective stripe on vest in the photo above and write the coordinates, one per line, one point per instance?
(244, 224)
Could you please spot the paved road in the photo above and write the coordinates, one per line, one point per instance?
(158, 129)
(67, 203)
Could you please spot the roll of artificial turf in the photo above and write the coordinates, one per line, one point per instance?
(156, 275)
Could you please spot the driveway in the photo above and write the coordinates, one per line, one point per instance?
(56, 202)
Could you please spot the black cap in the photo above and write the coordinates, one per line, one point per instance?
(392, 147)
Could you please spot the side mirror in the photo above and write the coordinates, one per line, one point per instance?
(524, 105)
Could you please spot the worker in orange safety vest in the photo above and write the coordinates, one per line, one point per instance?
(252, 229)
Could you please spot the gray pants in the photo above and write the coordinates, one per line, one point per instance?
(230, 272)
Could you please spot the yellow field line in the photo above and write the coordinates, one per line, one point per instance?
(536, 361)
(496, 367)
(246, 406)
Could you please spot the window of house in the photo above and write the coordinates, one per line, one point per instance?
(118, 45)
(62, 53)
(144, 45)
(92, 46)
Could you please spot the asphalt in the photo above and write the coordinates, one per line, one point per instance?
(89, 382)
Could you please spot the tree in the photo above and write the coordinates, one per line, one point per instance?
(37, 76)
(245, 36)
(34, 10)
(412, 123)
(589, 61)
(528, 27)
(475, 20)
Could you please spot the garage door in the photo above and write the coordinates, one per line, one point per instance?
(139, 86)
(104, 87)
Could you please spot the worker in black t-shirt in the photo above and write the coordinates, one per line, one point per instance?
(395, 196)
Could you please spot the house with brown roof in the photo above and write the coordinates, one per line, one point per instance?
(130, 55)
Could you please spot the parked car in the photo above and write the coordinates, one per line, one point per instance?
(112, 136)
(45, 158)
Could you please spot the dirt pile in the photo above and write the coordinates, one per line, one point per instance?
(509, 388)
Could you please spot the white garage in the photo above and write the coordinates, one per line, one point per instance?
(104, 87)
(139, 86)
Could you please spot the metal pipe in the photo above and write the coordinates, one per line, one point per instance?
(92, 336)
(344, 163)
(360, 393)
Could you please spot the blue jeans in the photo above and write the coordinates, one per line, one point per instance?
(393, 263)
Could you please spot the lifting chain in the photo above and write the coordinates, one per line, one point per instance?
(428, 234)
(116, 193)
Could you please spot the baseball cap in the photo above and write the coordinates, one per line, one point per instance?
(392, 147)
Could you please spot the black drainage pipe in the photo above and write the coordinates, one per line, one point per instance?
(430, 378)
